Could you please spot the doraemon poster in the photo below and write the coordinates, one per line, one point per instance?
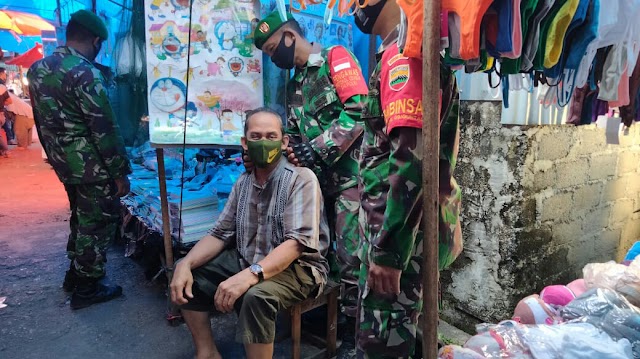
(205, 75)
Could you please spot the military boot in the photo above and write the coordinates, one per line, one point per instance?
(71, 279)
(90, 292)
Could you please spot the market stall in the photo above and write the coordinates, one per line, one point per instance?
(204, 74)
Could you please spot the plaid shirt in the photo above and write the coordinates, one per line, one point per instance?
(258, 218)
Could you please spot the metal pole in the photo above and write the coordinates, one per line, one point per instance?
(430, 151)
(59, 13)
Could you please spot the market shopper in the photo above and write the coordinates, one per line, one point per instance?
(325, 100)
(8, 121)
(266, 251)
(81, 138)
(5, 100)
(391, 173)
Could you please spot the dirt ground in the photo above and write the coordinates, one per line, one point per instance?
(38, 323)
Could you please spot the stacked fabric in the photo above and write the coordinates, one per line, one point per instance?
(199, 212)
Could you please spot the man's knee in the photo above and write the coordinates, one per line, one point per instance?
(259, 300)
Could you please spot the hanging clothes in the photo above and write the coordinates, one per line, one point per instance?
(533, 37)
(470, 13)
(629, 113)
(571, 15)
(527, 9)
(545, 26)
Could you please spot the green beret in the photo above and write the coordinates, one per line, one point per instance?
(267, 26)
(91, 22)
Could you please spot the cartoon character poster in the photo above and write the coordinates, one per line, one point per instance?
(202, 78)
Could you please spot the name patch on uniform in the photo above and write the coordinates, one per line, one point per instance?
(399, 77)
(396, 58)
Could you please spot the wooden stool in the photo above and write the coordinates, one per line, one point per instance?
(329, 297)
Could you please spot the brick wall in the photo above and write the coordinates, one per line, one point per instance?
(539, 203)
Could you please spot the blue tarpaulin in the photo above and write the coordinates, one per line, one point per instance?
(11, 42)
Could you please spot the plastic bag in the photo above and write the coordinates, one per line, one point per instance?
(621, 278)
(572, 341)
(610, 312)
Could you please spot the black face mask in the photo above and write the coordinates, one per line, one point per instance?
(366, 17)
(284, 56)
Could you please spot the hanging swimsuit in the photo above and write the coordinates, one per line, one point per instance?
(513, 66)
(570, 15)
(454, 35)
(490, 27)
(414, 12)
(533, 36)
(470, 13)
(516, 32)
(504, 9)
(618, 21)
(577, 42)
(444, 30)
(628, 113)
(545, 25)
(622, 58)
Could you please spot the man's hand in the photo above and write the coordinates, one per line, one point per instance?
(181, 284)
(248, 164)
(384, 280)
(291, 157)
(123, 186)
(233, 288)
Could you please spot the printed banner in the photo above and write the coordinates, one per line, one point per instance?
(221, 66)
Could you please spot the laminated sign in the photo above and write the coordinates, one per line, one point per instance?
(212, 53)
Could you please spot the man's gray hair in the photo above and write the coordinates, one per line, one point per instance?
(262, 110)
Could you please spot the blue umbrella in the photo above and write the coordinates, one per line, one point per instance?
(9, 41)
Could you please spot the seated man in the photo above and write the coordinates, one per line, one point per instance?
(266, 251)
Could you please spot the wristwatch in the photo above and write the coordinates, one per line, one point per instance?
(257, 270)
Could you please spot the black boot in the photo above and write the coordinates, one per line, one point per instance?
(93, 292)
(71, 279)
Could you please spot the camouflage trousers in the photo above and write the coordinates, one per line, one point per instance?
(95, 218)
(342, 213)
(387, 324)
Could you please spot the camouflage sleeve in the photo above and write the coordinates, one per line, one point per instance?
(293, 131)
(393, 245)
(105, 134)
(340, 136)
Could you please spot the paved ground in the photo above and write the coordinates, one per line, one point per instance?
(38, 322)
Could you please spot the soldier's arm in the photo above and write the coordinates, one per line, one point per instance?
(105, 133)
(401, 100)
(292, 126)
(351, 89)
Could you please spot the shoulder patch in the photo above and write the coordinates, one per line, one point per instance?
(399, 77)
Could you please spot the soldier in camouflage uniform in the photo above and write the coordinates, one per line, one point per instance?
(325, 99)
(80, 135)
(391, 173)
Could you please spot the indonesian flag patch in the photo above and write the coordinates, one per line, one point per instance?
(345, 74)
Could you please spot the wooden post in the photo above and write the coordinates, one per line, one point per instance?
(430, 150)
(164, 203)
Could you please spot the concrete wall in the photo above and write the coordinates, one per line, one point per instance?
(539, 203)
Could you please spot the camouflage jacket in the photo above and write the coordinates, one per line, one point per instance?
(391, 162)
(325, 100)
(74, 119)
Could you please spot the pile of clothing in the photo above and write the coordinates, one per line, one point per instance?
(593, 317)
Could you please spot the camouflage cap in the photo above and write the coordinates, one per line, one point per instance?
(267, 26)
(91, 22)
